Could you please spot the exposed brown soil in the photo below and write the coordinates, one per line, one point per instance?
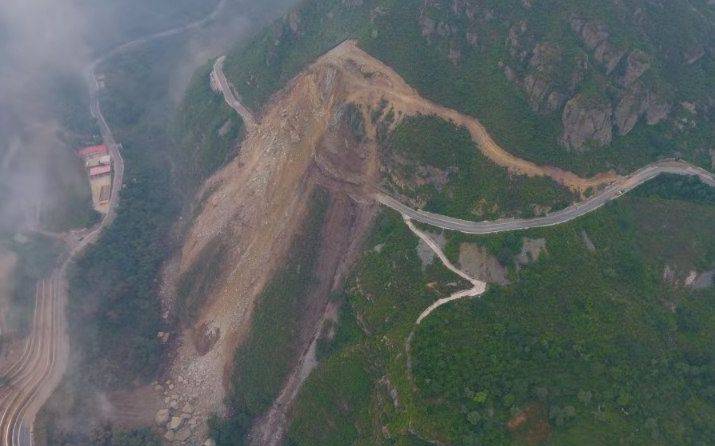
(530, 426)
(476, 261)
(257, 202)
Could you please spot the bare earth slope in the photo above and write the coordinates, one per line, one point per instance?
(304, 138)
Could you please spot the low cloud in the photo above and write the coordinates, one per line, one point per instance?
(39, 41)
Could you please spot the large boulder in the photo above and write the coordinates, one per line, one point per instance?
(636, 64)
(629, 109)
(175, 423)
(609, 55)
(162, 417)
(586, 122)
(656, 108)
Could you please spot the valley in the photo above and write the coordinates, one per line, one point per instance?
(377, 223)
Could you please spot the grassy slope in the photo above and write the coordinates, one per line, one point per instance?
(586, 339)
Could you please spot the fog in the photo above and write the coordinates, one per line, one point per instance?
(39, 40)
(45, 41)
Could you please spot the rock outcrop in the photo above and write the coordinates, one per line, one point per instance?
(586, 123)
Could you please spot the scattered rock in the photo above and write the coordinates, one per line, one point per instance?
(592, 33)
(169, 436)
(531, 250)
(629, 109)
(691, 278)
(587, 241)
(609, 55)
(477, 262)
(636, 64)
(294, 21)
(183, 434)
(656, 108)
(704, 280)
(425, 253)
(187, 408)
(668, 274)
(175, 423)
(694, 54)
(161, 417)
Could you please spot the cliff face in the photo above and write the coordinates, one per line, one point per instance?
(636, 74)
(630, 64)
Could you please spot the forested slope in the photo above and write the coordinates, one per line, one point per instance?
(559, 82)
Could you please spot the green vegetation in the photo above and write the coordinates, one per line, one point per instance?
(340, 396)
(475, 188)
(68, 200)
(277, 53)
(263, 361)
(196, 283)
(206, 130)
(70, 101)
(476, 84)
(139, 437)
(584, 347)
(677, 187)
(36, 256)
(113, 285)
(346, 397)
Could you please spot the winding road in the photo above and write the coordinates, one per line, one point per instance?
(615, 189)
(572, 212)
(610, 192)
(230, 96)
(28, 383)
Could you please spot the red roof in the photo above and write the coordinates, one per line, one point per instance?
(93, 150)
(99, 170)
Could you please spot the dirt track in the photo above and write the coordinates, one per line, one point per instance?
(373, 80)
(256, 199)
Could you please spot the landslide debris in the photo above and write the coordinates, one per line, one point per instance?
(322, 130)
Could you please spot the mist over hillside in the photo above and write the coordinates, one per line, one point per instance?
(357, 222)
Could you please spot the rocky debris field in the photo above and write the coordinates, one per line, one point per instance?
(179, 420)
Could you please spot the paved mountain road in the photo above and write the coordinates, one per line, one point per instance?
(230, 97)
(572, 212)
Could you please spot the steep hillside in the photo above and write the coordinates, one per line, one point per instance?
(335, 127)
(596, 339)
(476, 111)
(558, 82)
(284, 271)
